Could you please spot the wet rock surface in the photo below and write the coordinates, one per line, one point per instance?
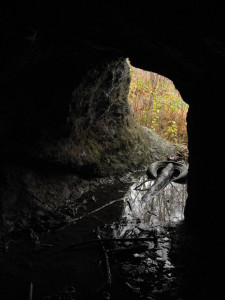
(116, 247)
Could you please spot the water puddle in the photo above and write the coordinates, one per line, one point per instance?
(113, 246)
(148, 272)
(166, 208)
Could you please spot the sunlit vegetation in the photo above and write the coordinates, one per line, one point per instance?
(158, 105)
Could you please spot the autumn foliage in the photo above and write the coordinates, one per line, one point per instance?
(158, 105)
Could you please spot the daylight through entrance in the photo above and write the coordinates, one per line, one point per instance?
(158, 105)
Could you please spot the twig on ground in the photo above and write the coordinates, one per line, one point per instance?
(88, 214)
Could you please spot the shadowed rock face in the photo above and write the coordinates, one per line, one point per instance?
(86, 124)
(92, 133)
(64, 85)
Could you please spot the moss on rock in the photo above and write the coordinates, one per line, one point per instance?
(104, 137)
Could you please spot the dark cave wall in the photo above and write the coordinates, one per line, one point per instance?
(205, 206)
(76, 117)
(55, 130)
(183, 43)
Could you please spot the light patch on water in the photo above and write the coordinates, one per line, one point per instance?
(151, 219)
(166, 208)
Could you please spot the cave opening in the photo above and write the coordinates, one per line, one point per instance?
(54, 209)
(64, 113)
(158, 105)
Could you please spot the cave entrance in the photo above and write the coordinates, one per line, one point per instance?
(158, 105)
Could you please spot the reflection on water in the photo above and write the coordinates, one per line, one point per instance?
(150, 274)
(136, 266)
(165, 208)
